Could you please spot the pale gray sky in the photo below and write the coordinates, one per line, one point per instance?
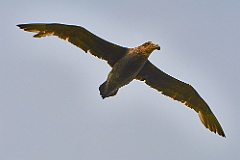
(50, 107)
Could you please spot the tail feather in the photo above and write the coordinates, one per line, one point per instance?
(106, 91)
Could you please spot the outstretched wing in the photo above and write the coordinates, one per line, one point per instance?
(180, 91)
(80, 37)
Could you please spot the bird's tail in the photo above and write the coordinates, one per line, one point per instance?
(106, 91)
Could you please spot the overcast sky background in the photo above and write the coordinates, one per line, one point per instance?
(50, 107)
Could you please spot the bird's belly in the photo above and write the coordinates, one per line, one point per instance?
(125, 71)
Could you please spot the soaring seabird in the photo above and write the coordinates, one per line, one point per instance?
(128, 64)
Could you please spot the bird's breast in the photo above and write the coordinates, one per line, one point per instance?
(126, 69)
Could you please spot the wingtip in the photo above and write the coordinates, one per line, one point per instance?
(25, 27)
(211, 123)
(19, 25)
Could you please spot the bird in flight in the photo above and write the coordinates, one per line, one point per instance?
(129, 64)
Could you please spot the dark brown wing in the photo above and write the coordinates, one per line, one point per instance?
(182, 92)
(80, 37)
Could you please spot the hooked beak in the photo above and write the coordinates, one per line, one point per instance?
(157, 47)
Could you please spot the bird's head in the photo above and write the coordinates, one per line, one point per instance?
(149, 47)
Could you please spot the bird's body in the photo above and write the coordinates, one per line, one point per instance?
(128, 64)
(125, 70)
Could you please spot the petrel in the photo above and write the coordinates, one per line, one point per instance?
(129, 64)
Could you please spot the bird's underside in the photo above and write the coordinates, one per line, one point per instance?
(148, 73)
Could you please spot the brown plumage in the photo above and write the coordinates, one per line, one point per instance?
(128, 64)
